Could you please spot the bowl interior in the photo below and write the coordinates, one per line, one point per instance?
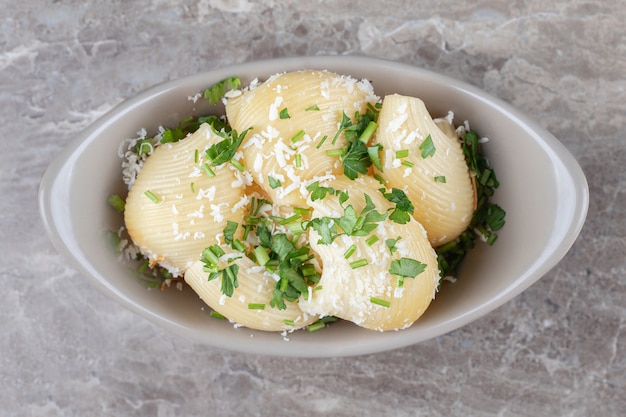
(542, 189)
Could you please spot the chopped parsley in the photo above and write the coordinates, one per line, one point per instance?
(225, 150)
(356, 157)
(217, 91)
(211, 260)
(273, 182)
(401, 214)
(488, 217)
(391, 244)
(284, 114)
(427, 147)
(350, 224)
(190, 125)
(406, 267)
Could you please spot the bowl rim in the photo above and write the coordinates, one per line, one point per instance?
(59, 169)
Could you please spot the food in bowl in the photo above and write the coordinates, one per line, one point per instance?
(546, 208)
(311, 198)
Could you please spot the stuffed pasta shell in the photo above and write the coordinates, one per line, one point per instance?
(250, 302)
(174, 209)
(428, 164)
(383, 279)
(295, 118)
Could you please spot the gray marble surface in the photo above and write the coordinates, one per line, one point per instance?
(558, 349)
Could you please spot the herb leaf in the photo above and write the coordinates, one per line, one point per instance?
(487, 218)
(215, 93)
(404, 208)
(225, 150)
(427, 147)
(406, 267)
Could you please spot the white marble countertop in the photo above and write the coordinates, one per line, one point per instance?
(558, 349)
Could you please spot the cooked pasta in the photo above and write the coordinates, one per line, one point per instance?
(266, 225)
(174, 210)
(428, 165)
(359, 287)
(249, 304)
(290, 115)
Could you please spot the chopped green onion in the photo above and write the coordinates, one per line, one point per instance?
(334, 152)
(207, 170)
(318, 325)
(196, 156)
(289, 322)
(348, 253)
(312, 108)
(297, 136)
(302, 211)
(403, 153)
(237, 165)
(117, 202)
(289, 219)
(238, 245)
(308, 270)
(371, 240)
(368, 132)
(256, 306)
(440, 178)
(321, 142)
(216, 315)
(298, 160)
(380, 302)
(152, 196)
(261, 255)
(145, 148)
(192, 186)
(380, 179)
(358, 264)
(408, 164)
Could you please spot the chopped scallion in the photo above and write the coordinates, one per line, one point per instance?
(358, 264)
(318, 325)
(380, 302)
(152, 196)
(349, 252)
(207, 170)
(297, 136)
(402, 153)
(117, 202)
(237, 165)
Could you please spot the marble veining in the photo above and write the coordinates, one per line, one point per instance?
(558, 349)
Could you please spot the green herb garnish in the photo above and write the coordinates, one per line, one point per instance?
(217, 91)
(225, 150)
(117, 202)
(401, 214)
(273, 182)
(488, 217)
(427, 147)
(284, 114)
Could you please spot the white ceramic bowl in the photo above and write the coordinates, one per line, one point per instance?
(543, 191)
